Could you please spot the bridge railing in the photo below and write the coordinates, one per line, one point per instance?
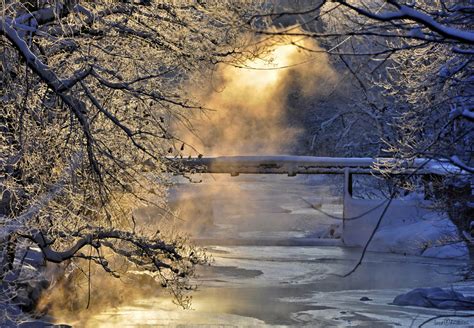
(292, 165)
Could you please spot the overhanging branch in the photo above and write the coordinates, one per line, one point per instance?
(405, 12)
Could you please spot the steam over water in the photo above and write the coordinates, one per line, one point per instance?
(249, 103)
(256, 284)
(276, 255)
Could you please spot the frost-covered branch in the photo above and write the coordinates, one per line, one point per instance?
(458, 162)
(405, 12)
(105, 80)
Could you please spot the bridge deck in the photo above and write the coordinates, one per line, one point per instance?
(292, 165)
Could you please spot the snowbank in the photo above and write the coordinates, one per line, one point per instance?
(456, 250)
(431, 236)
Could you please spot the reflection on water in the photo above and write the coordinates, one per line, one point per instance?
(155, 312)
(272, 285)
(257, 286)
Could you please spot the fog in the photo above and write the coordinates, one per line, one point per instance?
(247, 104)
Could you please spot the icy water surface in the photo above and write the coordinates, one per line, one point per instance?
(256, 228)
(287, 286)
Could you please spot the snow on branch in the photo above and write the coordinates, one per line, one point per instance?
(42, 70)
(459, 163)
(22, 221)
(154, 247)
(47, 15)
(406, 12)
(468, 114)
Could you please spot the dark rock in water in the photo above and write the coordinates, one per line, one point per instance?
(365, 299)
(435, 298)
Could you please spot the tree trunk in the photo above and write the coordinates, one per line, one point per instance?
(7, 252)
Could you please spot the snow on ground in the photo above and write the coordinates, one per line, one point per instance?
(430, 236)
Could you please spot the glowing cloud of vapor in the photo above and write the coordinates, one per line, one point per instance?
(249, 102)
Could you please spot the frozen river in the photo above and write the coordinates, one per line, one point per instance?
(274, 264)
(286, 286)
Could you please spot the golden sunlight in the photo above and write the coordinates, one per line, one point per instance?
(249, 102)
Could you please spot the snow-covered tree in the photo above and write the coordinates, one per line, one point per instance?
(412, 88)
(88, 91)
(397, 53)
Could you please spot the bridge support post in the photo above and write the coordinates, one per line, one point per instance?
(347, 195)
